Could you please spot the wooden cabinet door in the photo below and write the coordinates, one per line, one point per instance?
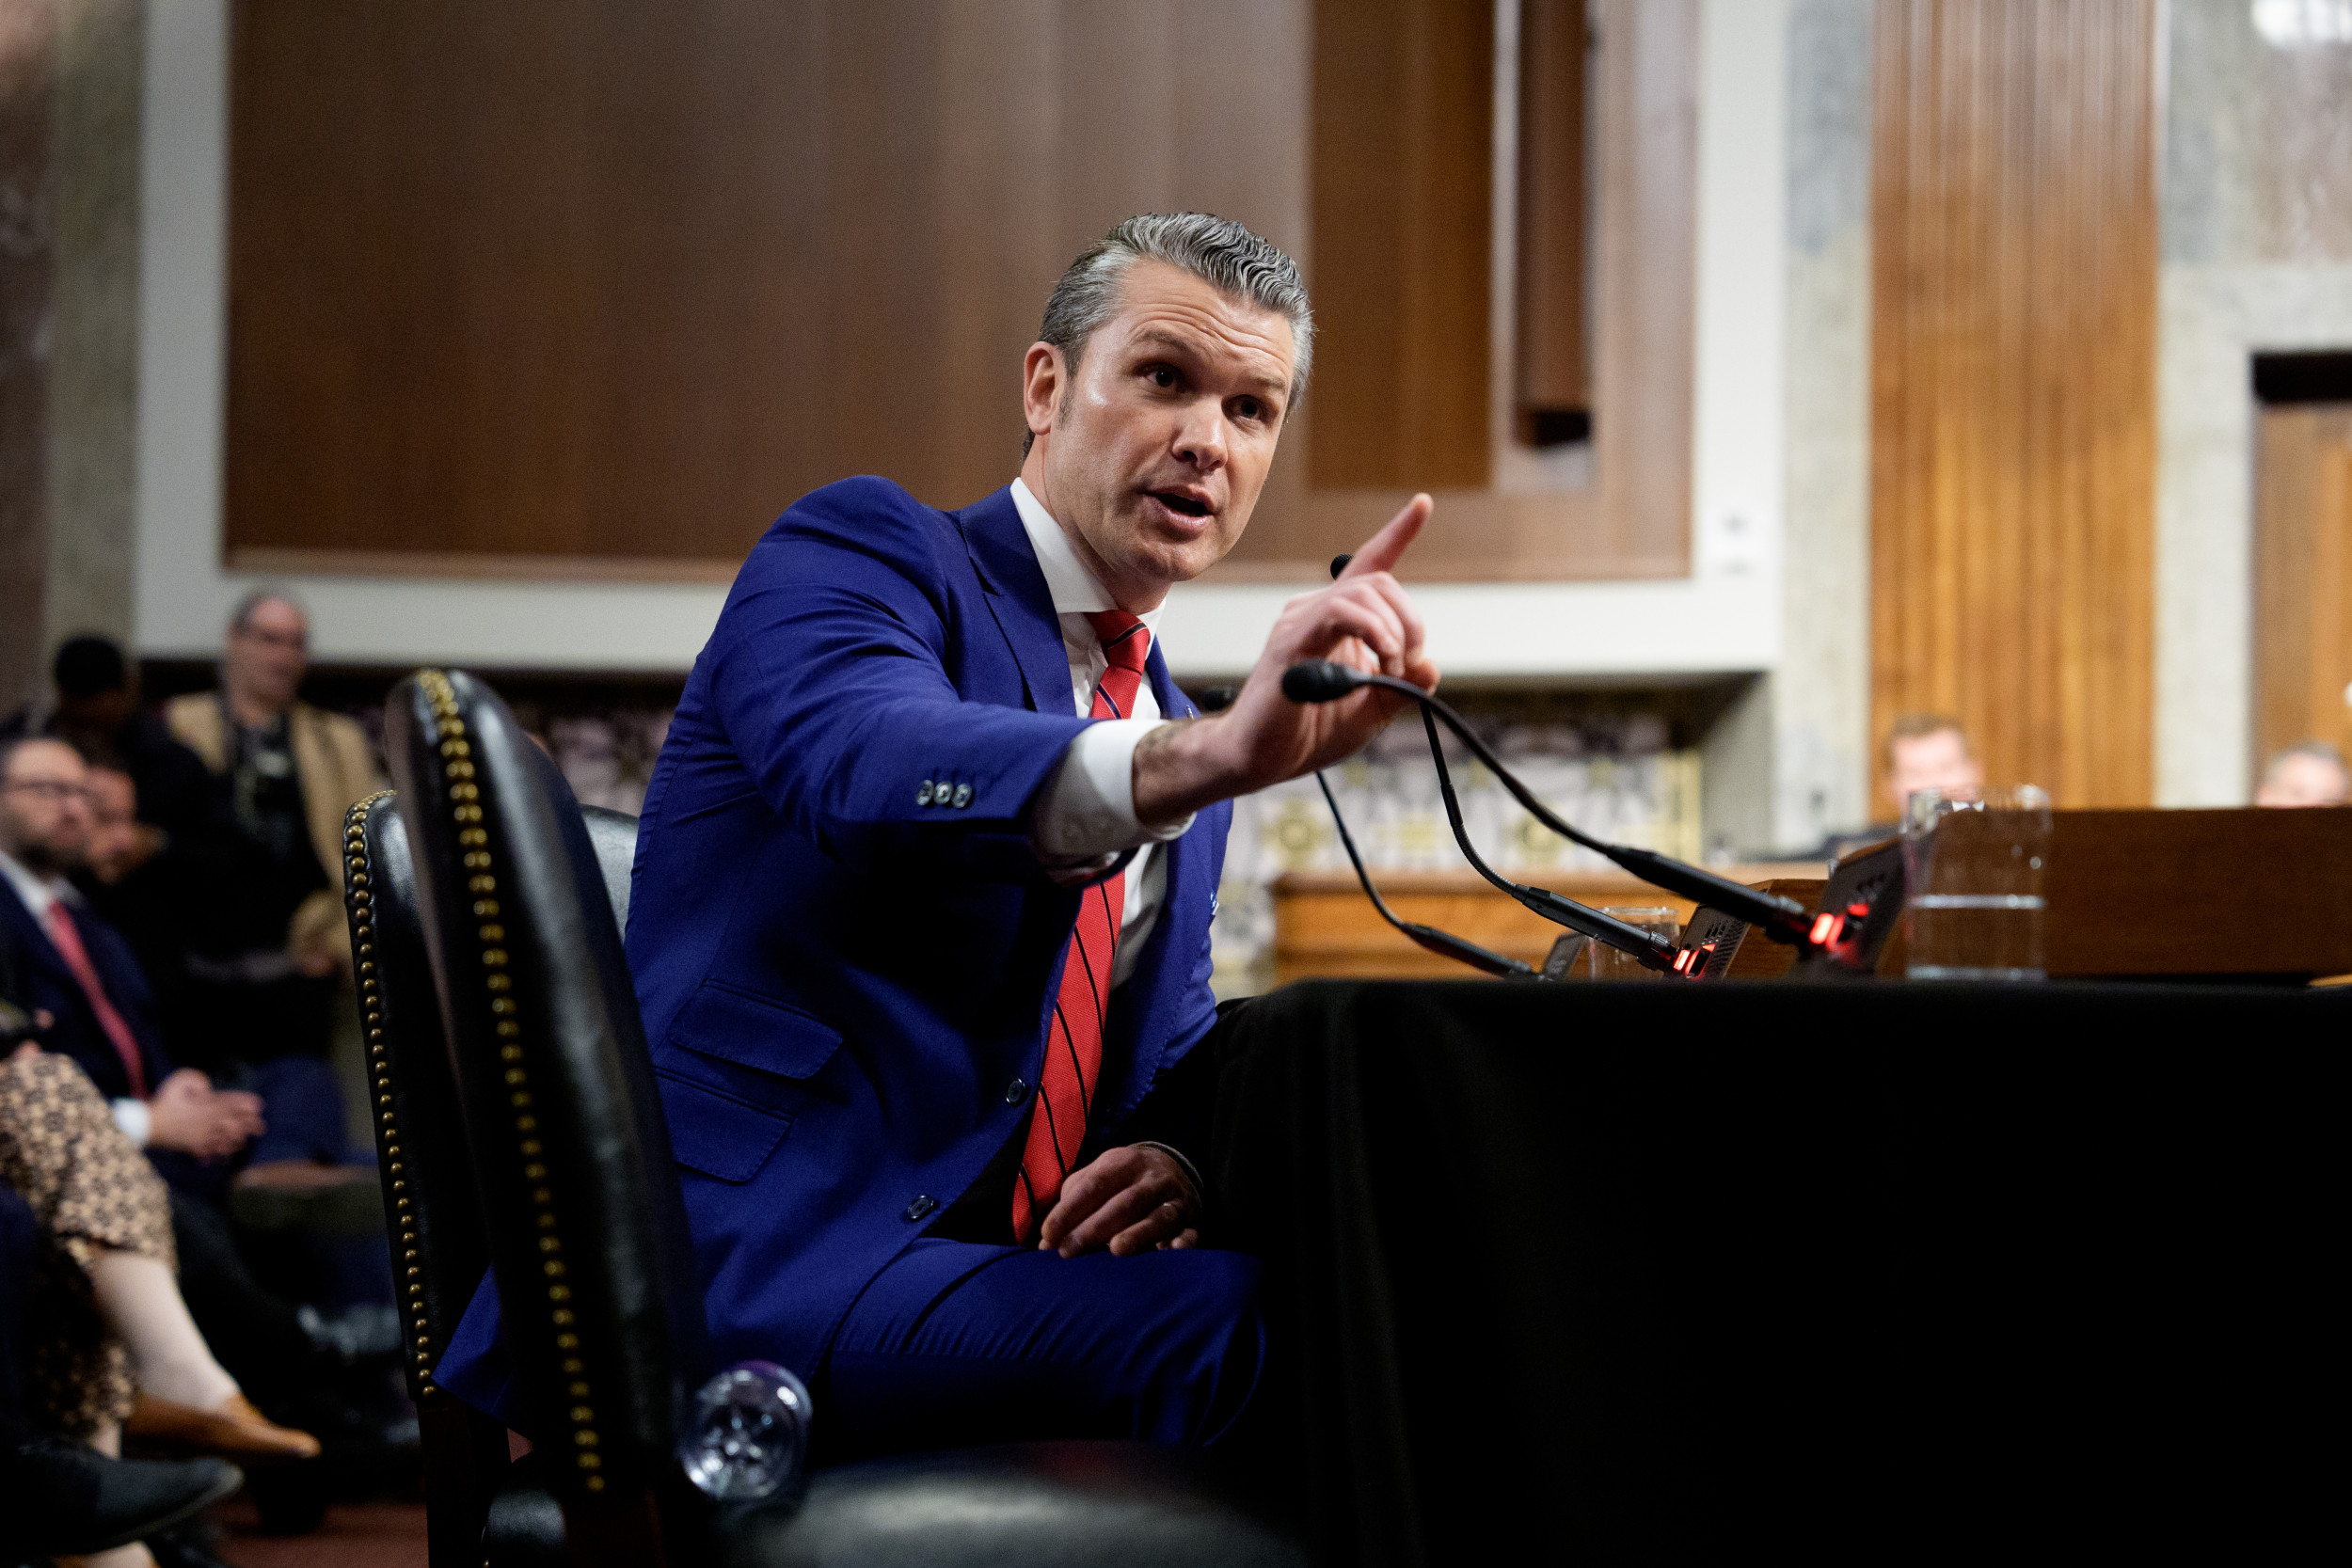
(2303, 577)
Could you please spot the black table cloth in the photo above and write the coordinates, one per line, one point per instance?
(1677, 1272)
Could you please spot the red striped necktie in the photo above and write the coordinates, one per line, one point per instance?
(1073, 1036)
(67, 938)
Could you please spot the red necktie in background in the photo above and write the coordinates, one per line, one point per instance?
(1073, 1036)
(67, 938)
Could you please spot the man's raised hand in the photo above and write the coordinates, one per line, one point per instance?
(1364, 619)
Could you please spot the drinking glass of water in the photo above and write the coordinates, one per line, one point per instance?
(1974, 870)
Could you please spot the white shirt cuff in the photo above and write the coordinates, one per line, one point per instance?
(134, 1119)
(1087, 808)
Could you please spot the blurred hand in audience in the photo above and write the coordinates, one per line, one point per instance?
(189, 1114)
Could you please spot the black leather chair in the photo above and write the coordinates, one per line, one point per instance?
(564, 1181)
(439, 1250)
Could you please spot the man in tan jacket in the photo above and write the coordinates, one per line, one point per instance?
(287, 772)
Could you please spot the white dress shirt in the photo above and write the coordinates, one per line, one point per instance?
(38, 893)
(1086, 815)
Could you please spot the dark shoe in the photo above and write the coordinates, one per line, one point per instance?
(66, 1498)
(192, 1545)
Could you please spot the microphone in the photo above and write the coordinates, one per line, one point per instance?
(1319, 681)
(1782, 919)
(1443, 943)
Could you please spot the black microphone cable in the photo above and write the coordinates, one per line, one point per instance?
(1782, 919)
(1650, 949)
(1444, 943)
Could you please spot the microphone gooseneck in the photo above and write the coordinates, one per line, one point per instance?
(1652, 950)
(1781, 919)
(1443, 943)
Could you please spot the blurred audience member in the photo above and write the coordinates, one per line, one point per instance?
(113, 1338)
(60, 1496)
(1922, 751)
(1929, 750)
(153, 900)
(262, 969)
(96, 710)
(2308, 774)
(72, 965)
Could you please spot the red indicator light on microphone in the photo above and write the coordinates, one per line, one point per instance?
(1825, 927)
(1858, 909)
(1682, 962)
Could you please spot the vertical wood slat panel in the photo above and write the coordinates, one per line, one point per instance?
(1402, 161)
(2012, 384)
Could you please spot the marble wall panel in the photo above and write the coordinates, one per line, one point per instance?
(2257, 248)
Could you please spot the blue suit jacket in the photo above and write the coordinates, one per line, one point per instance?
(41, 974)
(841, 969)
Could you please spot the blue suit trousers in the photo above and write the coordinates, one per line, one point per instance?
(961, 1342)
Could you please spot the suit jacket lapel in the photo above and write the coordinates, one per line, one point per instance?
(33, 938)
(1018, 598)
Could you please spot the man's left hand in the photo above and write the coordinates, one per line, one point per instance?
(1133, 1199)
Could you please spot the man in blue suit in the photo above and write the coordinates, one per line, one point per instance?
(920, 924)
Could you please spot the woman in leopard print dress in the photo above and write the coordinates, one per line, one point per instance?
(94, 1193)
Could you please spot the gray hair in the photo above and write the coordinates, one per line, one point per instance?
(255, 598)
(2319, 751)
(1218, 251)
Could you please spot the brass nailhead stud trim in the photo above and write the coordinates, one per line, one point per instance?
(480, 859)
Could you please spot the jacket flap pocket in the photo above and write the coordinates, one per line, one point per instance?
(754, 1032)
(717, 1134)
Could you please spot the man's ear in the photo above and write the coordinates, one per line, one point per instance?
(1042, 376)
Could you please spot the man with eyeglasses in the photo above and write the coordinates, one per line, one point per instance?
(73, 967)
(263, 973)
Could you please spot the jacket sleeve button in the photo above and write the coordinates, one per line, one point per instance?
(923, 796)
(923, 1203)
(963, 796)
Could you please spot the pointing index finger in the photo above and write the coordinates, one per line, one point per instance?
(1384, 549)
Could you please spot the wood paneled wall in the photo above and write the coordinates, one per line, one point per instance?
(1633, 519)
(519, 284)
(2303, 577)
(2013, 439)
(577, 286)
(1404, 177)
(1553, 376)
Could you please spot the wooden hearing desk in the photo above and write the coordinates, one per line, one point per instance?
(1325, 929)
(2256, 895)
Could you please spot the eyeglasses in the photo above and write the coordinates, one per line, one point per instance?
(52, 790)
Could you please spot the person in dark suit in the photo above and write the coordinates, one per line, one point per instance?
(920, 922)
(74, 966)
(96, 708)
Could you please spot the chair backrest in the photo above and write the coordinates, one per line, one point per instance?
(438, 1248)
(568, 1151)
(439, 1251)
